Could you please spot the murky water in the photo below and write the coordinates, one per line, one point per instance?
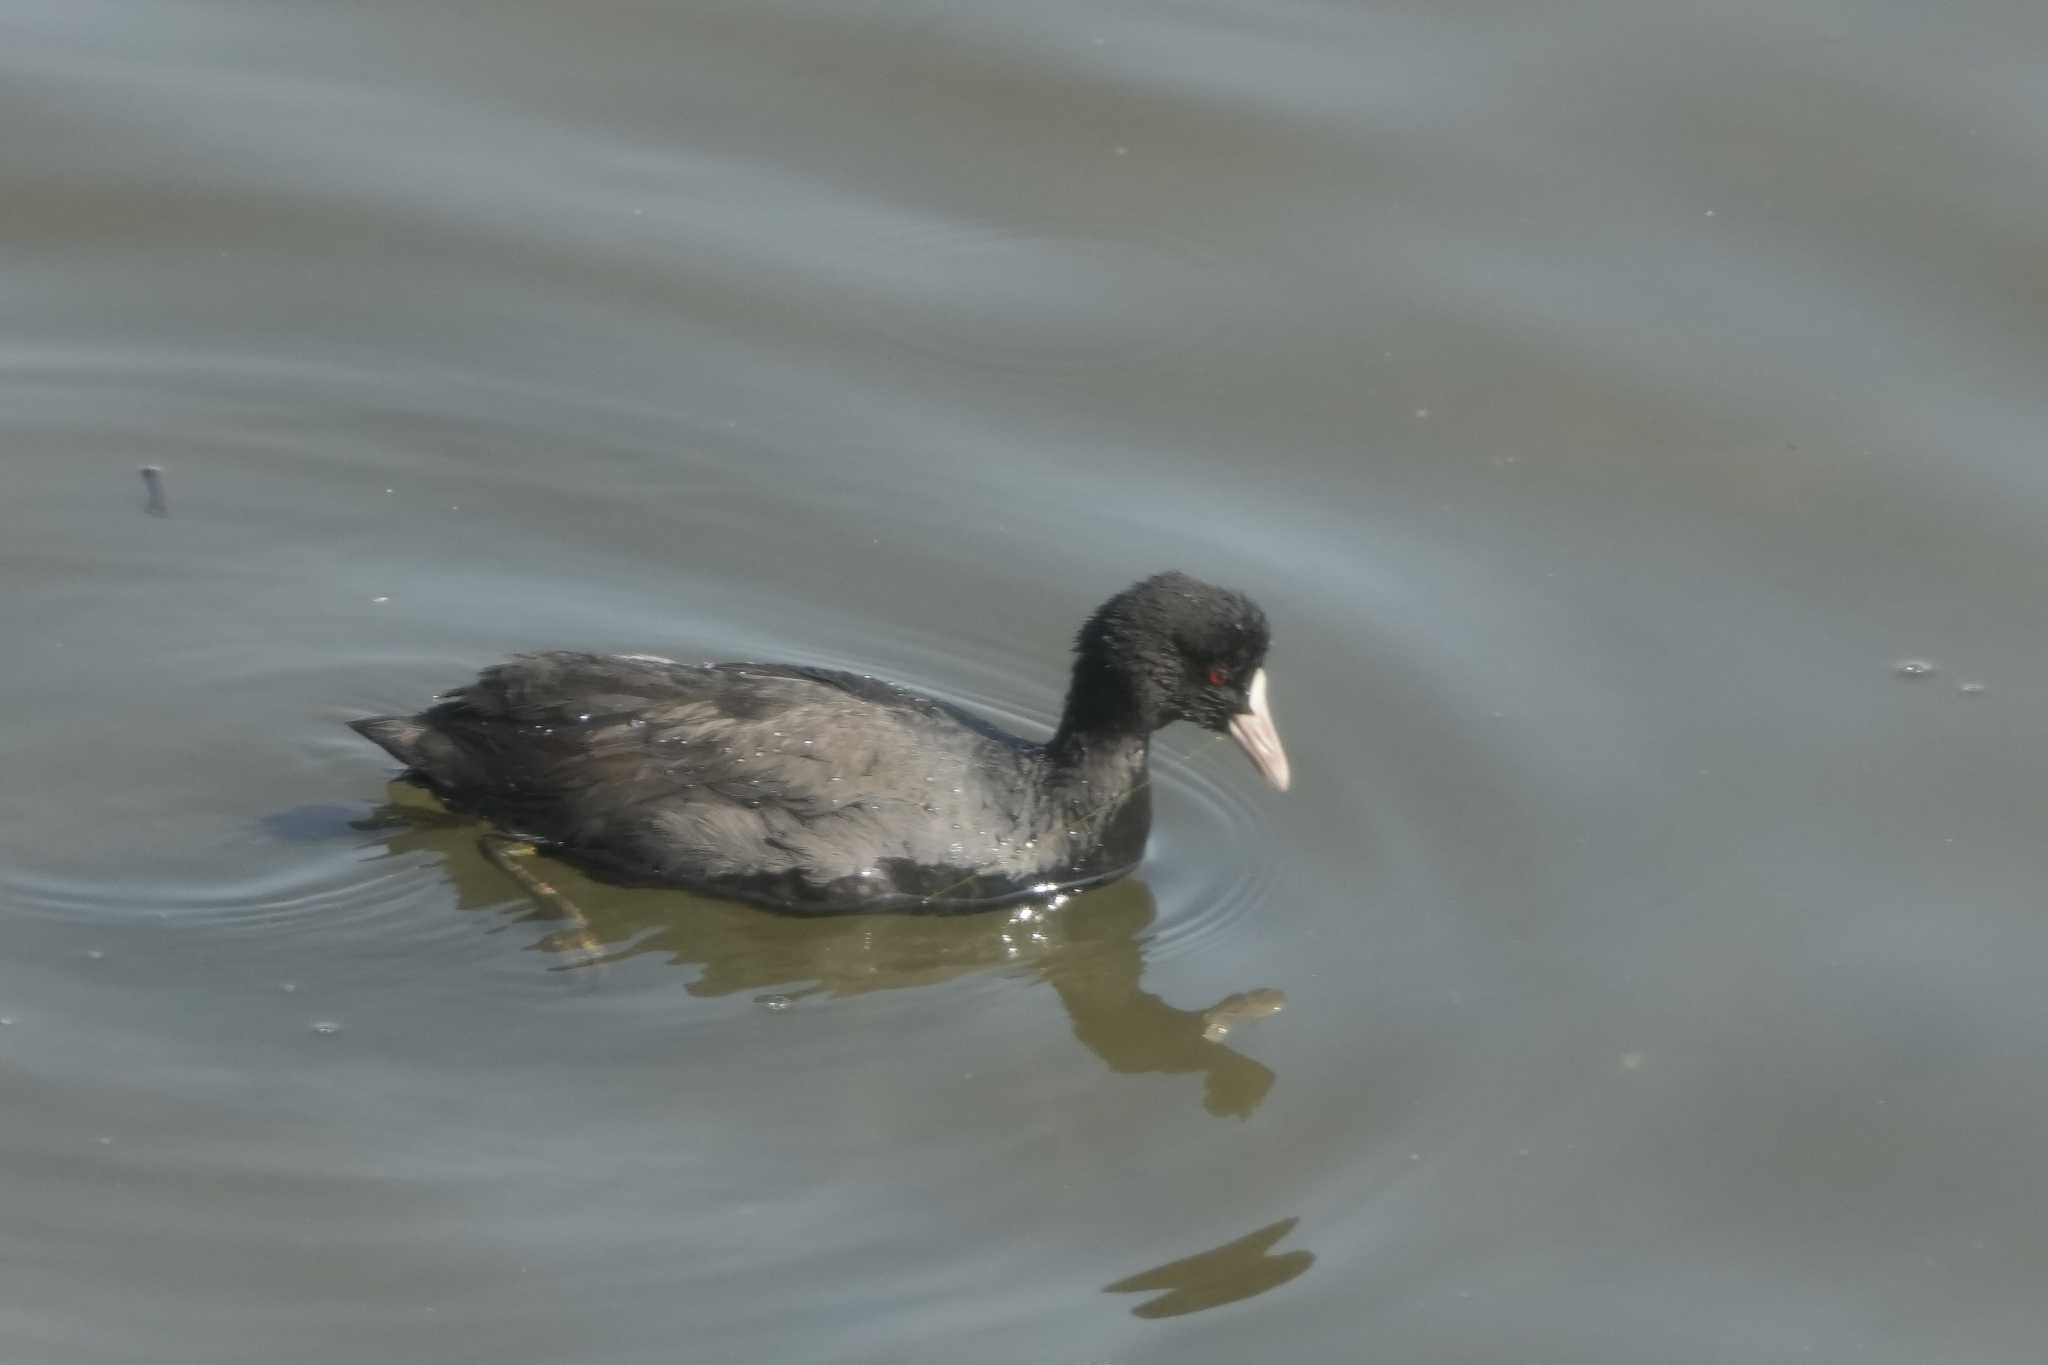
(1605, 401)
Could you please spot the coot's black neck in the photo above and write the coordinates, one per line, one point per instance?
(1105, 730)
(1098, 783)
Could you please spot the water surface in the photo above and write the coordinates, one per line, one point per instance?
(1601, 398)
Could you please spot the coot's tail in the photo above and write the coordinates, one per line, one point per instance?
(398, 736)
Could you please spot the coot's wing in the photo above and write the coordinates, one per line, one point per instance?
(721, 772)
(569, 688)
(545, 726)
(563, 688)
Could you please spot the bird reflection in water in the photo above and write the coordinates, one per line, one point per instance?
(1089, 950)
(1226, 1274)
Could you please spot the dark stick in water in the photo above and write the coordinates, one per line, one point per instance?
(153, 480)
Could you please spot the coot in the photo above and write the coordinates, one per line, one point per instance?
(813, 790)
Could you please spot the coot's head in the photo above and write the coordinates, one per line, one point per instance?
(1175, 648)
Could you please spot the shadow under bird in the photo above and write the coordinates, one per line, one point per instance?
(812, 790)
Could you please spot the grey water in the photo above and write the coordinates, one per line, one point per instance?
(1630, 414)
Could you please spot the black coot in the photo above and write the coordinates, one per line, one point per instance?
(818, 791)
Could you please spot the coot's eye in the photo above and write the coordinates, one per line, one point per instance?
(1219, 676)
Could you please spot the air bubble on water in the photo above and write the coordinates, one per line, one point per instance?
(95, 955)
(953, 848)
(778, 1003)
(325, 1027)
(1914, 668)
(6, 1020)
(1969, 689)
(584, 716)
(287, 986)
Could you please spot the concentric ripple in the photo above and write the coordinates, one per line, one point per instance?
(1056, 301)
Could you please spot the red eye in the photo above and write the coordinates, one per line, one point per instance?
(1218, 677)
